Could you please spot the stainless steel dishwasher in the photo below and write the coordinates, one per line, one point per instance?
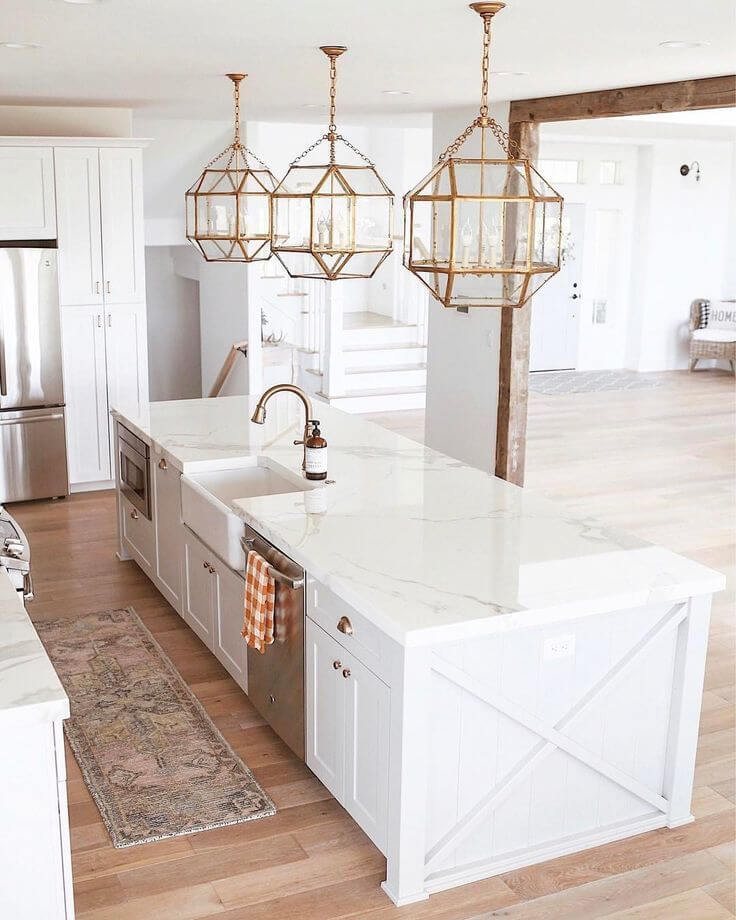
(276, 677)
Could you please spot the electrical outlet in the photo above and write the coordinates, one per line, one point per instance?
(559, 647)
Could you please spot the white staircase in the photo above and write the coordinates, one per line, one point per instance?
(384, 367)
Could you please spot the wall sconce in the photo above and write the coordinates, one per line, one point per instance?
(685, 169)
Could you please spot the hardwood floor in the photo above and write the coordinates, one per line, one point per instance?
(657, 462)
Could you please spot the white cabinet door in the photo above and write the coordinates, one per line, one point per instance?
(127, 360)
(199, 588)
(85, 388)
(169, 531)
(138, 536)
(121, 192)
(230, 647)
(367, 701)
(27, 206)
(325, 709)
(80, 242)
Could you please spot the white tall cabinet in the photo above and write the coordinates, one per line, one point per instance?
(99, 201)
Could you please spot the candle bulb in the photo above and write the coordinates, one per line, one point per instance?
(466, 238)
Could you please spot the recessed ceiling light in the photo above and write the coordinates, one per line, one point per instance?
(683, 43)
(396, 92)
(19, 46)
(509, 73)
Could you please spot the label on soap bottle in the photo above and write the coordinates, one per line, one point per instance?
(316, 460)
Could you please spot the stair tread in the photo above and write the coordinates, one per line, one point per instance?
(378, 391)
(386, 369)
(388, 346)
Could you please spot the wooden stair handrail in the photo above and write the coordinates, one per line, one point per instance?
(235, 349)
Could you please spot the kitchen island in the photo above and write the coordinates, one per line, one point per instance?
(35, 854)
(490, 681)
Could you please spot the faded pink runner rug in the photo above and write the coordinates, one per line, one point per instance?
(153, 760)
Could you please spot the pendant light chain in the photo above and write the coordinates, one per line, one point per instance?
(485, 67)
(332, 127)
(483, 120)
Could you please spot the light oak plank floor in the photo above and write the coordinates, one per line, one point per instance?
(659, 463)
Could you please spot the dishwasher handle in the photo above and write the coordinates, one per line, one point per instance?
(248, 544)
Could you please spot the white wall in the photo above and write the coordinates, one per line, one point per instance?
(682, 247)
(174, 363)
(65, 121)
(223, 320)
(463, 351)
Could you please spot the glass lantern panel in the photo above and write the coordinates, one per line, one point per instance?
(536, 281)
(491, 233)
(219, 250)
(255, 249)
(436, 282)
(254, 216)
(301, 264)
(215, 215)
(373, 222)
(266, 179)
(333, 220)
(436, 183)
(429, 232)
(191, 208)
(540, 186)
(291, 221)
(362, 264)
(483, 290)
(303, 180)
(494, 178)
(363, 180)
(480, 229)
(546, 250)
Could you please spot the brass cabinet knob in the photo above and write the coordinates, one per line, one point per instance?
(345, 626)
(346, 672)
(205, 565)
(134, 514)
(337, 665)
(162, 464)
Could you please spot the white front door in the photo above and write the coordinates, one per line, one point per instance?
(556, 308)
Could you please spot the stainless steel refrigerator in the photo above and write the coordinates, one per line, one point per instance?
(32, 425)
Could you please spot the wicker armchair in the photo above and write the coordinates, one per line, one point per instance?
(709, 343)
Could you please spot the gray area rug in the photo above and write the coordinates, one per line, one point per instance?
(152, 759)
(553, 382)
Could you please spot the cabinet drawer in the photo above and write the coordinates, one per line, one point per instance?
(137, 534)
(361, 638)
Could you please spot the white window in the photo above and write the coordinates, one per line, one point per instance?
(609, 172)
(561, 172)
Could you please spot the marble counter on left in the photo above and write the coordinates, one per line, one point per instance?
(30, 690)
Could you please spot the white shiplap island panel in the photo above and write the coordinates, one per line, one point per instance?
(543, 672)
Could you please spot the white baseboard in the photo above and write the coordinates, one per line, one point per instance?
(92, 486)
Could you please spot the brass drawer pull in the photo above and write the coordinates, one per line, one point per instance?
(345, 626)
(346, 672)
(337, 665)
(162, 464)
(134, 514)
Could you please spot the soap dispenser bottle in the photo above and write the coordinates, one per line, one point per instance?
(316, 453)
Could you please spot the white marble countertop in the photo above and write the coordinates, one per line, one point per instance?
(30, 690)
(428, 548)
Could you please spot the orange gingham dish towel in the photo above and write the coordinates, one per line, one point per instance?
(260, 596)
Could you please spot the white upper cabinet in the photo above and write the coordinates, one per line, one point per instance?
(121, 193)
(27, 207)
(80, 243)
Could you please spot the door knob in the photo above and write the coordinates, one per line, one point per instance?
(345, 626)
(162, 464)
(337, 665)
(346, 672)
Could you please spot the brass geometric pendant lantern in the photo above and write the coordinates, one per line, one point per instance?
(229, 206)
(479, 231)
(332, 220)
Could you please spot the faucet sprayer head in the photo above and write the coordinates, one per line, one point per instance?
(259, 416)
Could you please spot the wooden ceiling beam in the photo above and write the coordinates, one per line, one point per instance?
(656, 98)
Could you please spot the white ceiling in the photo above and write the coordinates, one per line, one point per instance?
(167, 56)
